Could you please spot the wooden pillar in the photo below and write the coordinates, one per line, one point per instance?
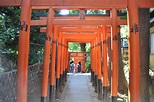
(61, 67)
(23, 51)
(114, 36)
(67, 61)
(99, 66)
(63, 60)
(92, 63)
(134, 58)
(53, 67)
(83, 64)
(96, 66)
(105, 68)
(47, 56)
(58, 68)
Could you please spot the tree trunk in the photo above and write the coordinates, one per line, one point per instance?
(83, 45)
(122, 82)
(144, 32)
(109, 52)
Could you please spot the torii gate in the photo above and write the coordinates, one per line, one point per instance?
(113, 5)
(79, 56)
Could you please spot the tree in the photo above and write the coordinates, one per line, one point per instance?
(9, 33)
(144, 32)
(123, 85)
(74, 47)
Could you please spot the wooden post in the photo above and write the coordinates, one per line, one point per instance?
(61, 69)
(96, 66)
(58, 68)
(99, 66)
(114, 79)
(105, 68)
(23, 51)
(134, 52)
(53, 67)
(61, 64)
(47, 56)
(63, 61)
(67, 61)
(92, 63)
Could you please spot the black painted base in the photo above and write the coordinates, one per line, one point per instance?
(43, 99)
(95, 83)
(114, 99)
(66, 75)
(105, 93)
(63, 78)
(91, 76)
(57, 88)
(93, 79)
(99, 89)
(52, 93)
(61, 82)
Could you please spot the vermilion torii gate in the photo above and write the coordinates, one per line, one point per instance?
(79, 56)
(60, 49)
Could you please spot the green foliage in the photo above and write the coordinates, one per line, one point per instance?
(123, 17)
(73, 11)
(37, 41)
(57, 11)
(88, 56)
(9, 33)
(74, 47)
(95, 11)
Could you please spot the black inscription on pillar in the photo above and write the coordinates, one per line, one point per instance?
(134, 28)
(23, 26)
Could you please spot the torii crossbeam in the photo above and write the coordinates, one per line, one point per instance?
(113, 21)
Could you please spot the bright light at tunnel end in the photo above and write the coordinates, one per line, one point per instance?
(64, 12)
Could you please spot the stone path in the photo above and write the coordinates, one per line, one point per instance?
(78, 89)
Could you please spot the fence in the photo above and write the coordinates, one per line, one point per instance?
(8, 82)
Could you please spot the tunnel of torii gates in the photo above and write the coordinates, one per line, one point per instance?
(76, 57)
(89, 29)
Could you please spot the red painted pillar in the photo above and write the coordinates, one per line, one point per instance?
(95, 67)
(68, 61)
(105, 68)
(53, 67)
(67, 65)
(58, 70)
(65, 61)
(23, 51)
(134, 50)
(92, 63)
(114, 36)
(99, 66)
(47, 56)
(61, 64)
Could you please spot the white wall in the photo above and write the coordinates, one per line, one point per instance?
(152, 51)
(152, 43)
